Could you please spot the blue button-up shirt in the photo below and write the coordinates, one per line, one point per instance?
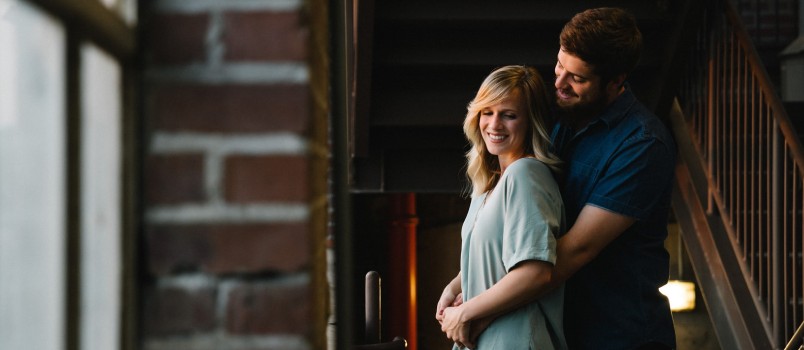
(623, 162)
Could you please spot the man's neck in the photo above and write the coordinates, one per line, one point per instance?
(581, 119)
(613, 96)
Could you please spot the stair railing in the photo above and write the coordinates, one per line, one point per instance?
(796, 341)
(753, 161)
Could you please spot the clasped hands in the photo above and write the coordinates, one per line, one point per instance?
(450, 314)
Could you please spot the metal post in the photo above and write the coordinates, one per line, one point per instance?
(341, 200)
(777, 253)
(710, 129)
(373, 307)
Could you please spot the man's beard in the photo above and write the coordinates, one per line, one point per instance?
(581, 110)
(580, 114)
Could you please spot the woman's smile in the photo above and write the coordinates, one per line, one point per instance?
(504, 127)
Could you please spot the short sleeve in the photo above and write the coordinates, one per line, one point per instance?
(533, 213)
(637, 174)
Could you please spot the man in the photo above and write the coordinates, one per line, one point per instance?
(619, 161)
(618, 172)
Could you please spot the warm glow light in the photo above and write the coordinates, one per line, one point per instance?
(681, 295)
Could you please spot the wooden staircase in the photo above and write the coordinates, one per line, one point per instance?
(420, 62)
(739, 186)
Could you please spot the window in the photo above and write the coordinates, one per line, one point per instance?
(32, 174)
(66, 164)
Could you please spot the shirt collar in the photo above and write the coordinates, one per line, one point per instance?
(618, 109)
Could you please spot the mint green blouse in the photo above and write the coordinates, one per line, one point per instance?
(520, 220)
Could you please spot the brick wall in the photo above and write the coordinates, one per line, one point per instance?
(235, 172)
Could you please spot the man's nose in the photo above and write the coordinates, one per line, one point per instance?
(561, 81)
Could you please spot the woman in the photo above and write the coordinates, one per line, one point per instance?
(509, 235)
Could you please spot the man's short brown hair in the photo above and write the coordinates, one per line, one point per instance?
(606, 38)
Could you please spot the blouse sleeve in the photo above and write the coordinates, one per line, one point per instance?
(533, 213)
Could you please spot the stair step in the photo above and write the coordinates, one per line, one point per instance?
(429, 57)
(505, 10)
(467, 43)
(422, 171)
(447, 137)
(420, 108)
(425, 98)
(458, 52)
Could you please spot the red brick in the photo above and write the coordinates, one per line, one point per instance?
(261, 36)
(177, 38)
(174, 310)
(231, 108)
(266, 178)
(177, 178)
(221, 249)
(278, 308)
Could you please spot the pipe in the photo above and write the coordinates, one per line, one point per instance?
(402, 278)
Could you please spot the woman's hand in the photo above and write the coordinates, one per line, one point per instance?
(456, 328)
(447, 299)
(451, 296)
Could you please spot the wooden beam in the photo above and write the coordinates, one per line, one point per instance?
(95, 22)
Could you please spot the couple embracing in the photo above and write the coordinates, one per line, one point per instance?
(563, 243)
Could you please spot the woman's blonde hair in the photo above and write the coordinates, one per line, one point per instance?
(482, 168)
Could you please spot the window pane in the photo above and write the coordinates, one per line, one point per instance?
(101, 227)
(32, 179)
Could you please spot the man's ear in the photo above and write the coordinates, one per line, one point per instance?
(617, 82)
(614, 87)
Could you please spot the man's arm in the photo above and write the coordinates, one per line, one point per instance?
(514, 289)
(594, 229)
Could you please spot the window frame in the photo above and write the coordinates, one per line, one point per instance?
(90, 21)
